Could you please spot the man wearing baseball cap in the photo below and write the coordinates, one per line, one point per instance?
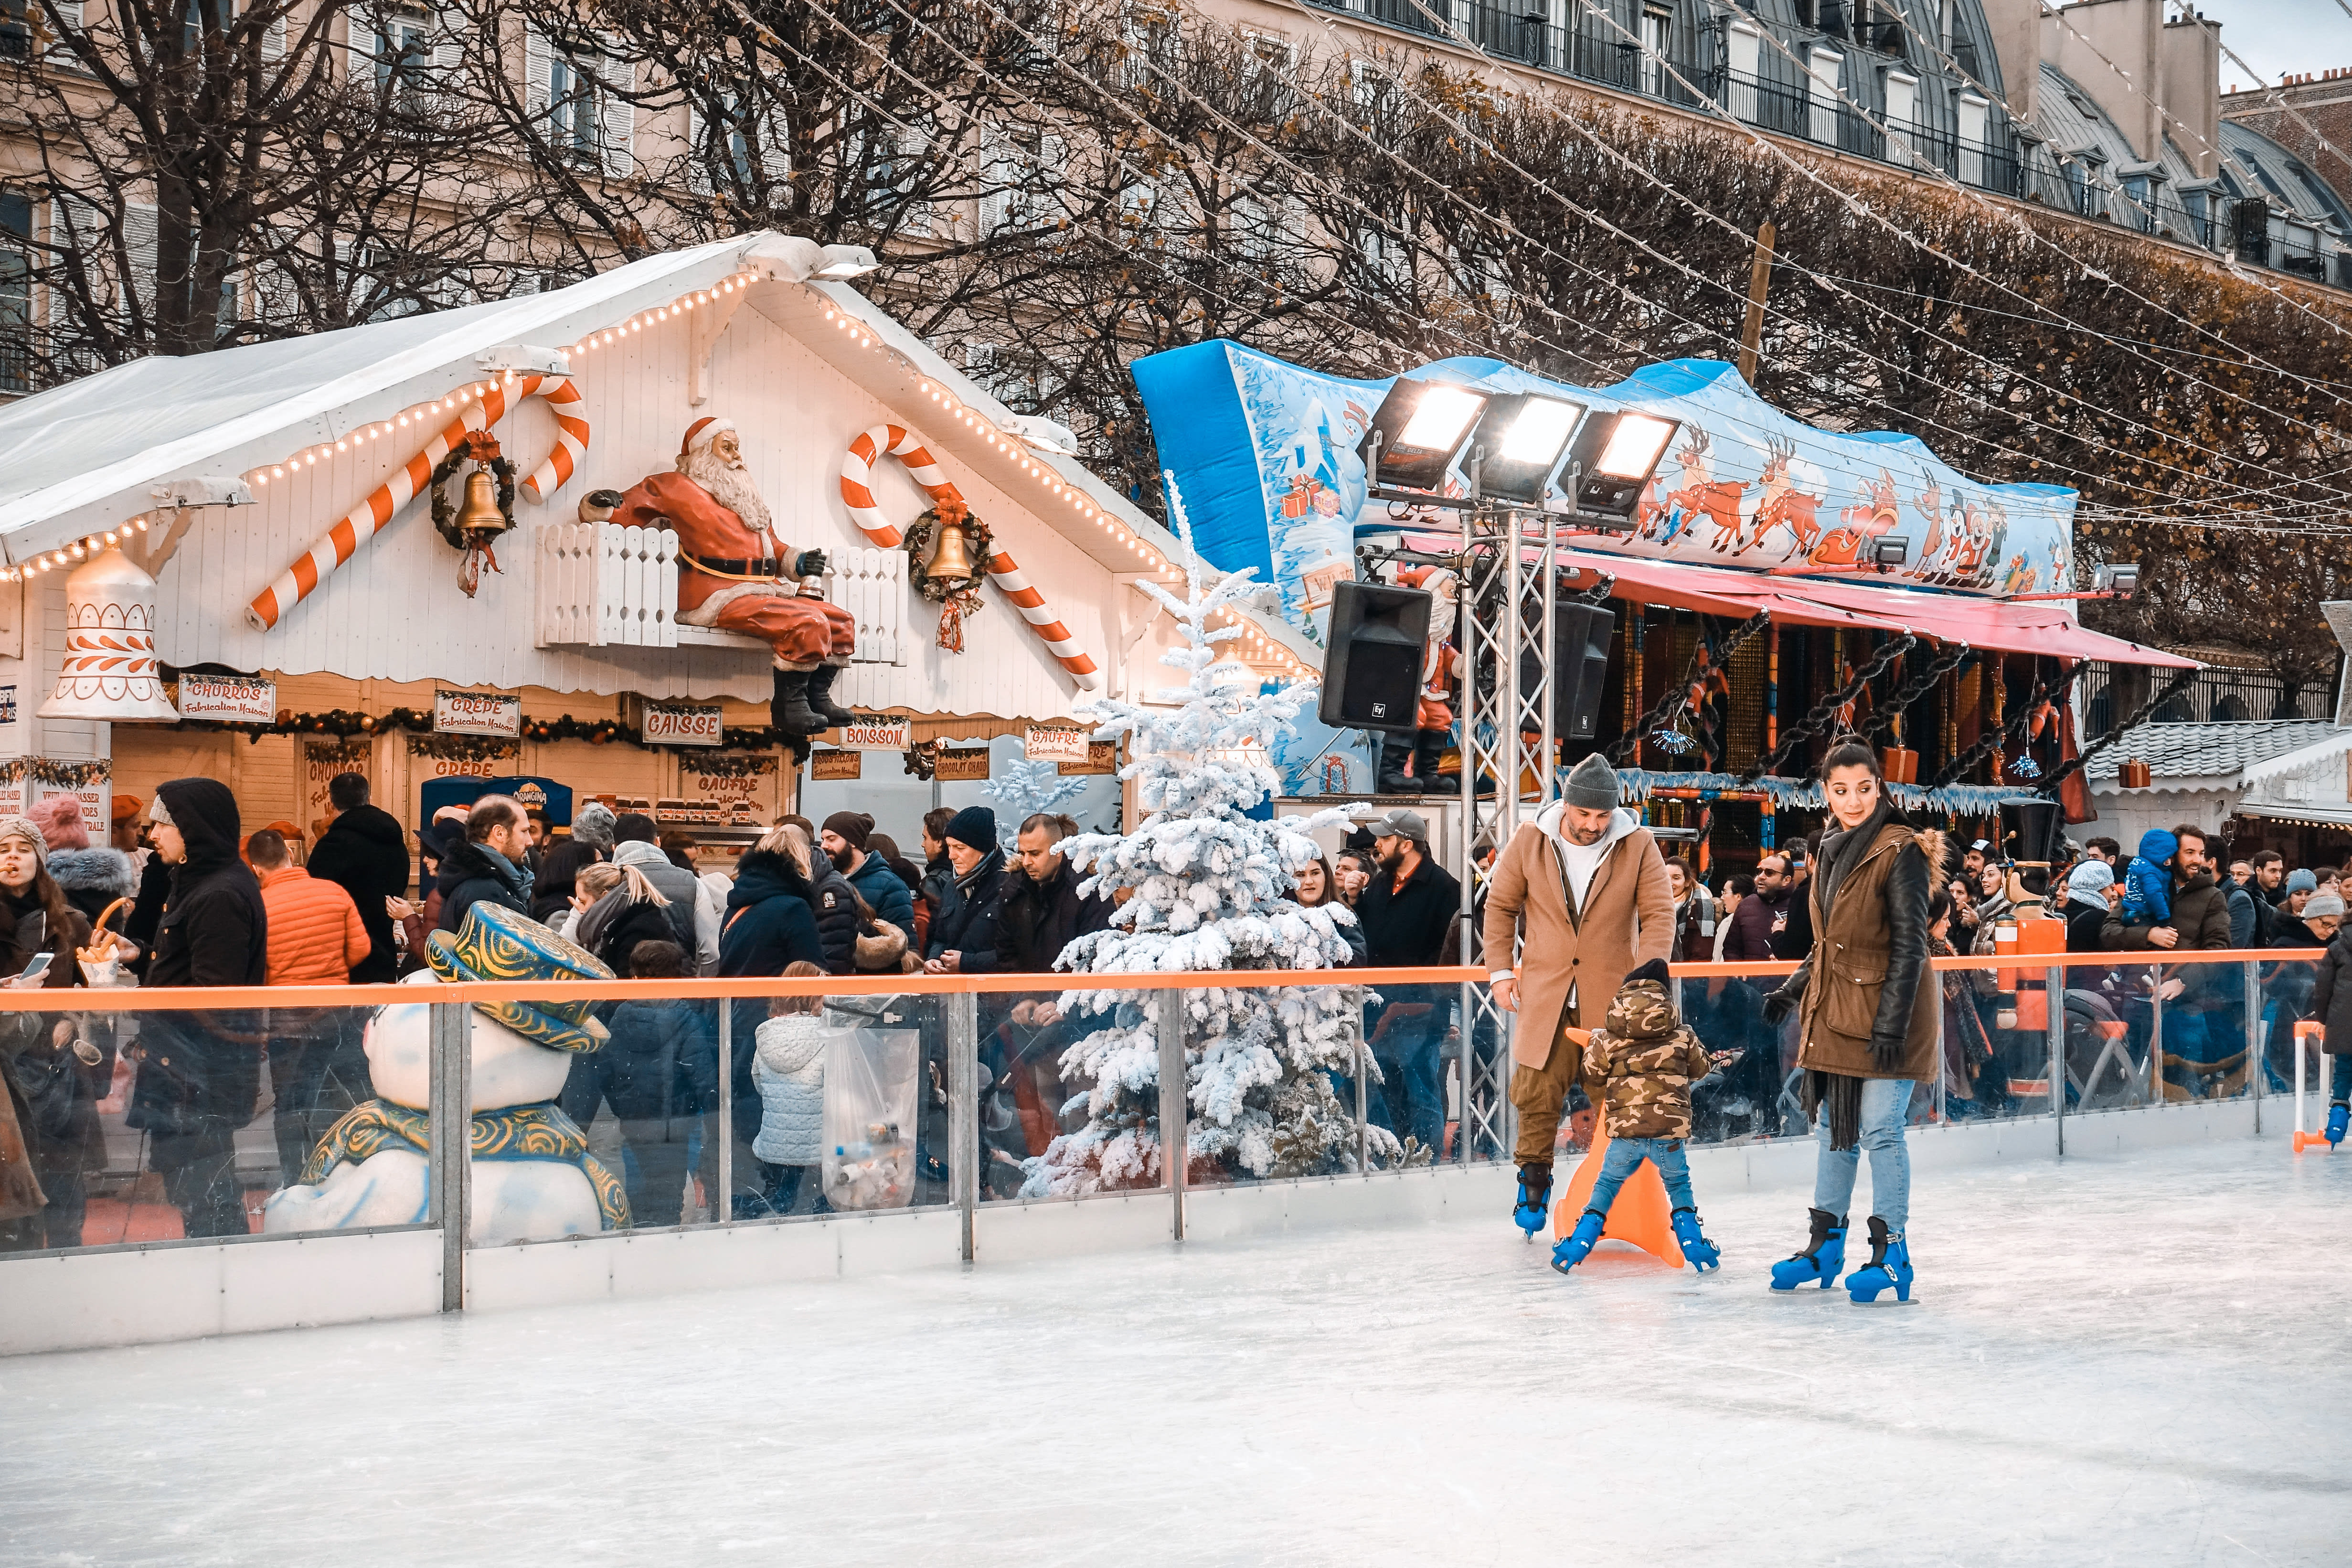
(1586, 887)
(1410, 911)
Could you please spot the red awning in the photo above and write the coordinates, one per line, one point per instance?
(2042, 626)
(1713, 590)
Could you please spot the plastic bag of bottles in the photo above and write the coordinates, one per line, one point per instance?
(870, 1081)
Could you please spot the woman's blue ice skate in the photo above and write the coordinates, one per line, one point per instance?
(1823, 1256)
(2336, 1116)
(1579, 1242)
(1533, 1209)
(1697, 1250)
(1889, 1268)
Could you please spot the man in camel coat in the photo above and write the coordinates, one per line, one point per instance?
(1585, 885)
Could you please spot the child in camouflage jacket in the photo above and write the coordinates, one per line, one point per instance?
(1639, 1066)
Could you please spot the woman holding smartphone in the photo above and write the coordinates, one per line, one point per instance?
(52, 1091)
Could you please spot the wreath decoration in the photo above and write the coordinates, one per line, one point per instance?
(480, 447)
(956, 596)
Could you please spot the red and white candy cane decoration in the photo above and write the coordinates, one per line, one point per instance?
(857, 495)
(363, 522)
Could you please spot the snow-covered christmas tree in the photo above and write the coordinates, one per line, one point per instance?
(1021, 788)
(1210, 891)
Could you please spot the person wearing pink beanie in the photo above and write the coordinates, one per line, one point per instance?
(60, 820)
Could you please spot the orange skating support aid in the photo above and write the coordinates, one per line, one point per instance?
(1642, 1215)
(2309, 1028)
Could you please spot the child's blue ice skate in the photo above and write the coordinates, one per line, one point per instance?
(1823, 1256)
(1533, 1209)
(1889, 1268)
(2336, 1116)
(1697, 1250)
(1579, 1241)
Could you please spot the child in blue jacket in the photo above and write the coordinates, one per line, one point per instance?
(2148, 880)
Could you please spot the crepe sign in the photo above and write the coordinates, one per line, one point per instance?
(1102, 757)
(476, 713)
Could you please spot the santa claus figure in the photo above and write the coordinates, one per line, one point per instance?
(737, 573)
(1441, 667)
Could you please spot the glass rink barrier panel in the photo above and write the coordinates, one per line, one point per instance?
(1068, 1086)
(839, 1098)
(147, 1118)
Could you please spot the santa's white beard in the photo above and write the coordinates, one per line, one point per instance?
(730, 485)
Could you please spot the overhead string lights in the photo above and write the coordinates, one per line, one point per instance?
(74, 552)
(1911, 416)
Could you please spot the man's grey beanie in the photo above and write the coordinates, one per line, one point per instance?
(1593, 785)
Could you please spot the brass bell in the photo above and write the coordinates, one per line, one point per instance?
(480, 513)
(952, 555)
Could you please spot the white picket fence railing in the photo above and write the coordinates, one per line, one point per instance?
(601, 584)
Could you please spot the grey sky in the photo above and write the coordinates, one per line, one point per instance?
(2281, 35)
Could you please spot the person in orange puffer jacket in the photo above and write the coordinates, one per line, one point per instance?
(318, 1069)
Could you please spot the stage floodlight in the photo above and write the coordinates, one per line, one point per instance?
(1519, 443)
(1889, 553)
(1418, 431)
(1615, 453)
(2122, 581)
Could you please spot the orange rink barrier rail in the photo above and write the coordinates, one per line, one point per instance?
(82, 999)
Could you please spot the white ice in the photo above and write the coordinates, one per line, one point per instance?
(2135, 1361)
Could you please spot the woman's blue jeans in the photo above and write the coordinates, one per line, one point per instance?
(1885, 1102)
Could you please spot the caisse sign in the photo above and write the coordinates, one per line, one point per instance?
(682, 724)
(228, 699)
(476, 713)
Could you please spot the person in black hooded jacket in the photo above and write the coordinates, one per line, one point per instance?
(486, 862)
(364, 851)
(963, 937)
(200, 1072)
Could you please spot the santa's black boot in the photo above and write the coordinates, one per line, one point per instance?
(1396, 750)
(820, 694)
(789, 711)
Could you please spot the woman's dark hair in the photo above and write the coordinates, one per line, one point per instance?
(1851, 752)
(1939, 904)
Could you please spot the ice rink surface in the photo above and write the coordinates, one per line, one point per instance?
(2137, 1361)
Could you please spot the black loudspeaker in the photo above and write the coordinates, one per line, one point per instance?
(1371, 673)
(1581, 638)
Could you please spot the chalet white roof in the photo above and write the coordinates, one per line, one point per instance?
(91, 454)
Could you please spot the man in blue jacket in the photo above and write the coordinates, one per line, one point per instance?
(844, 841)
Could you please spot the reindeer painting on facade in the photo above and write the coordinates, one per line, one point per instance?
(1782, 503)
(1702, 494)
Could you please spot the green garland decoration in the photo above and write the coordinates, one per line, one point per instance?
(56, 774)
(464, 748)
(344, 723)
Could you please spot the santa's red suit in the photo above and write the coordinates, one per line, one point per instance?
(733, 577)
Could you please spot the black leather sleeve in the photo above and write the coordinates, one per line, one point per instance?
(1907, 953)
(1779, 1003)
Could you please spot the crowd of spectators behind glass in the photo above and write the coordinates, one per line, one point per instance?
(205, 903)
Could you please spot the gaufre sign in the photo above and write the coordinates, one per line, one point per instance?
(476, 713)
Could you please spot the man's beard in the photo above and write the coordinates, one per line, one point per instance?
(1393, 858)
(841, 858)
(1582, 838)
(730, 485)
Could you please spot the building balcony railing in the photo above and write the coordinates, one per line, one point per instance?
(1596, 53)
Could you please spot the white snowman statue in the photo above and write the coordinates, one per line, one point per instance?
(533, 1177)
